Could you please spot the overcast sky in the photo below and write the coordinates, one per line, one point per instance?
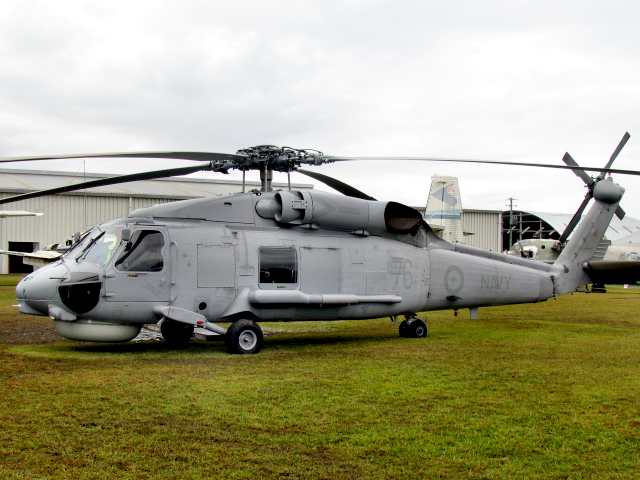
(517, 80)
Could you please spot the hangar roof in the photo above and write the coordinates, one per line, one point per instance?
(617, 231)
(26, 180)
(632, 238)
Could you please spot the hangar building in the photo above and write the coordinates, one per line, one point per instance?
(480, 228)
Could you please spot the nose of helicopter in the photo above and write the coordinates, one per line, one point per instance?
(60, 291)
(39, 289)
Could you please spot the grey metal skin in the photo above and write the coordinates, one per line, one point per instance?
(353, 262)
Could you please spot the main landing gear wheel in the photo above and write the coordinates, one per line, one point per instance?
(244, 337)
(413, 328)
(176, 333)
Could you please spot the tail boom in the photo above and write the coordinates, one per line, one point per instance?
(570, 265)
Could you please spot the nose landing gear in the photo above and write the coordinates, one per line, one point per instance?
(176, 334)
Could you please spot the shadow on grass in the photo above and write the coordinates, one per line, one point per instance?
(145, 347)
(293, 342)
(298, 341)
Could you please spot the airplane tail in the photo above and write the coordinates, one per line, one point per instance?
(443, 212)
(572, 264)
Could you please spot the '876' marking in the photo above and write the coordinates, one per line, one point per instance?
(400, 268)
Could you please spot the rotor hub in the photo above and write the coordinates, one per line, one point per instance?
(280, 159)
(607, 191)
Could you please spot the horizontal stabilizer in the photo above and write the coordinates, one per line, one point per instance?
(613, 272)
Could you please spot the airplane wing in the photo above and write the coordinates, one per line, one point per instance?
(35, 259)
(40, 254)
(613, 272)
(18, 213)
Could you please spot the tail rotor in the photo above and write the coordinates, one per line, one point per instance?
(590, 182)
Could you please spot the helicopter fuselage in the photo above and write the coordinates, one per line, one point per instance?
(225, 259)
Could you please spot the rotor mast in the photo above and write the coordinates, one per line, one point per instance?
(266, 178)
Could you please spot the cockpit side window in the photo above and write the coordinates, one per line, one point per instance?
(143, 253)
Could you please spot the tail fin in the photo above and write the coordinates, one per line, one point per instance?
(589, 233)
(444, 208)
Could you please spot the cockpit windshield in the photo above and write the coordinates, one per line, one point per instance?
(98, 247)
(82, 243)
(102, 250)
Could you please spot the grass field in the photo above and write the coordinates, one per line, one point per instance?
(549, 390)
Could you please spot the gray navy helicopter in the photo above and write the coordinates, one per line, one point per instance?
(287, 255)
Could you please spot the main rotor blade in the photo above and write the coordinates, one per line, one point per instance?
(576, 218)
(197, 156)
(568, 159)
(169, 172)
(616, 152)
(332, 158)
(341, 187)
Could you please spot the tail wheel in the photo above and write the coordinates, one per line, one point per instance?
(176, 333)
(244, 337)
(413, 328)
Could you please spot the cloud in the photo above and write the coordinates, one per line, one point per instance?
(524, 81)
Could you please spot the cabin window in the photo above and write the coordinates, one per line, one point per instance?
(278, 265)
(143, 252)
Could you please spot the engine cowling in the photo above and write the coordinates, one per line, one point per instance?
(339, 213)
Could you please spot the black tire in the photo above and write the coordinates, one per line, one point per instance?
(244, 337)
(176, 333)
(403, 329)
(415, 329)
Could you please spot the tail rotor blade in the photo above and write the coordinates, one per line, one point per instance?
(575, 219)
(616, 152)
(568, 159)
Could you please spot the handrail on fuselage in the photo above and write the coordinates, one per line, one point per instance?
(501, 257)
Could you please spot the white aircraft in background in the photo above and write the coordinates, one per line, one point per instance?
(18, 213)
(35, 259)
(39, 258)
